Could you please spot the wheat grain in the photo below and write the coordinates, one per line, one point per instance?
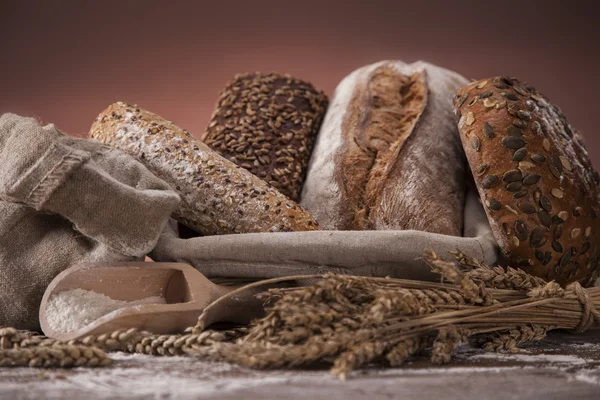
(350, 321)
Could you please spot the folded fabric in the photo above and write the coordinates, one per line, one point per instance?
(63, 201)
(369, 253)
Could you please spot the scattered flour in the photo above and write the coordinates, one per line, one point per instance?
(76, 308)
(571, 360)
(138, 376)
(440, 371)
(592, 377)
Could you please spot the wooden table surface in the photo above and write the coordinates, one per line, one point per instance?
(565, 366)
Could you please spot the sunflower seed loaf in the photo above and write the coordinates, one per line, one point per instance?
(535, 178)
(388, 155)
(267, 123)
(217, 196)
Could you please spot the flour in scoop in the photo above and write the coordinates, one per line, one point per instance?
(76, 308)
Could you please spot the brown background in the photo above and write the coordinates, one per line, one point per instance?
(65, 61)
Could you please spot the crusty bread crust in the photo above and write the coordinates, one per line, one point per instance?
(388, 154)
(535, 178)
(217, 196)
(267, 123)
(382, 114)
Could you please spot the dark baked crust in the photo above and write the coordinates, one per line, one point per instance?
(267, 124)
(535, 178)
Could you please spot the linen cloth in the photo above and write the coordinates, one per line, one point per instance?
(397, 254)
(63, 201)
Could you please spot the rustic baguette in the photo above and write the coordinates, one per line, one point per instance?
(217, 196)
(388, 155)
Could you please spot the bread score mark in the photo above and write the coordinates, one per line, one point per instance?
(381, 116)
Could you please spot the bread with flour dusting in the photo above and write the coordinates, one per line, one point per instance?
(217, 196)
(388, 155)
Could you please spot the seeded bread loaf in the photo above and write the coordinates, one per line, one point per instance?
(535, 178)
(217, 196)
(267, 124)
(388, 155)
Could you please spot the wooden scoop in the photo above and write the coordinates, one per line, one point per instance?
(186, 291)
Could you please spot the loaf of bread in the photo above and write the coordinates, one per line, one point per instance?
(217, 196)
(535, 178)
(388, 155)
(267, 124)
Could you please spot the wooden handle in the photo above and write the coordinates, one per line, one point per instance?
(219, 291)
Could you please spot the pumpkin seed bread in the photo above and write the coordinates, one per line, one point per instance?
(534, 177)
(267, 124)
(217, 196)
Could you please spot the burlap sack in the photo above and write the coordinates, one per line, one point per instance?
(368, 253)
(63, 201)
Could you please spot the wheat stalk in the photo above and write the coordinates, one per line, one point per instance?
(350, 321)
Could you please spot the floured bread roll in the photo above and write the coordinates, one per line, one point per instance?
(217, 196)
(388, 155)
